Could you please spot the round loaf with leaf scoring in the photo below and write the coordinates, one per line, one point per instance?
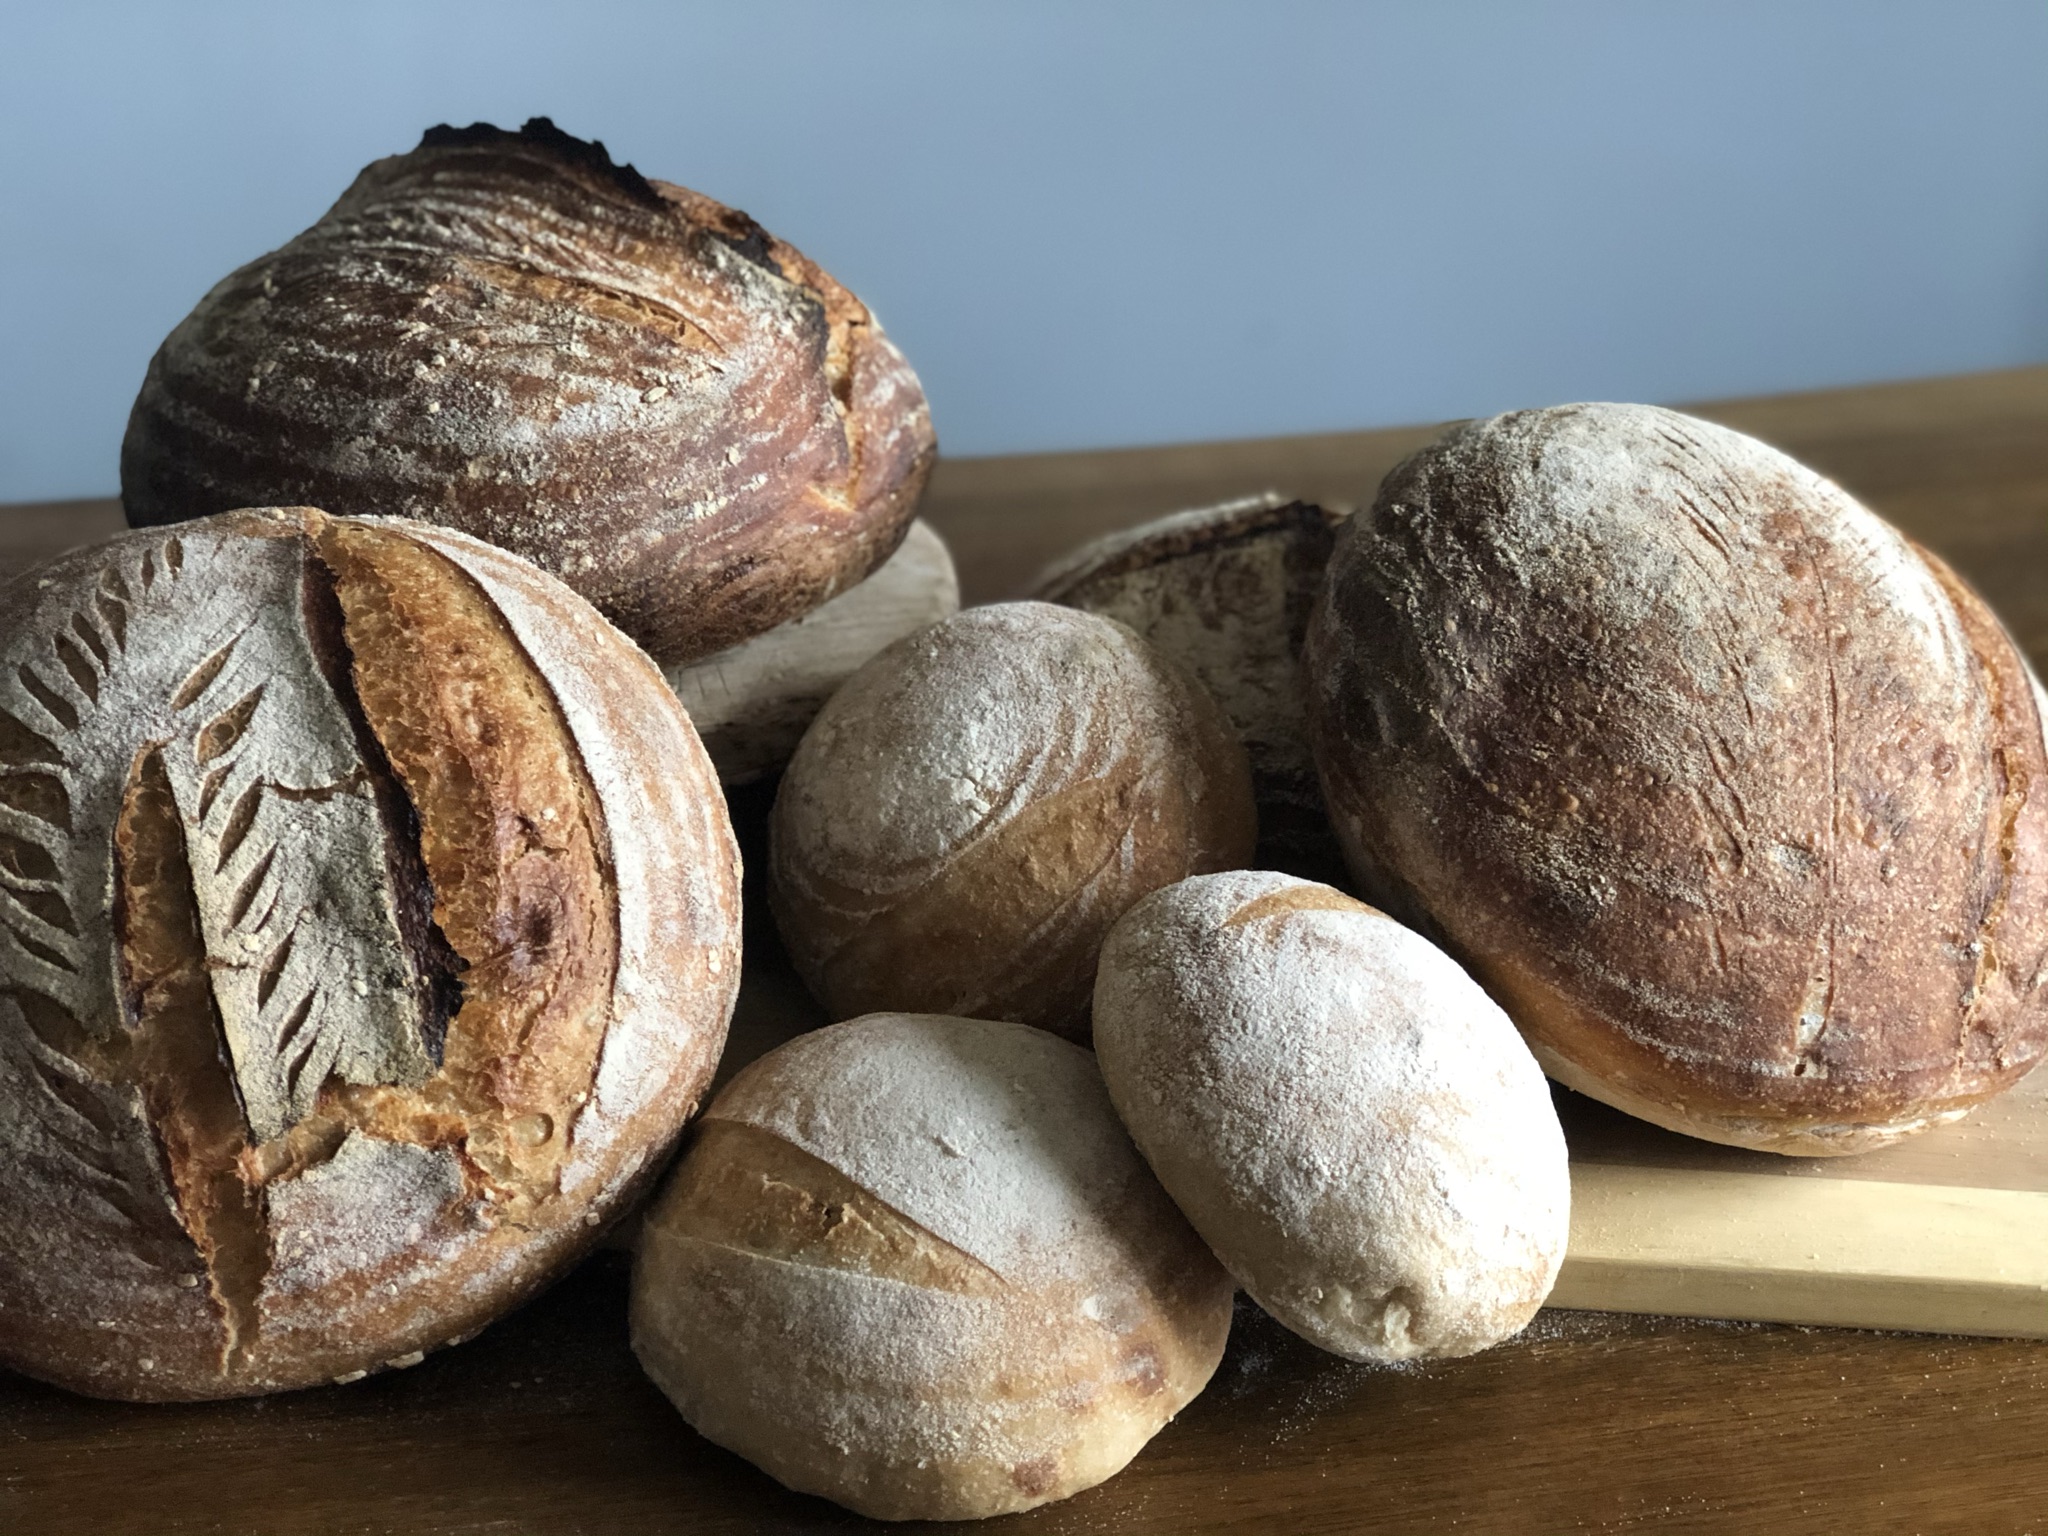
(369, 927)
(636, 388)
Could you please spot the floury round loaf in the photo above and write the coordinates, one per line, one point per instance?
(369, 925)
(968, 814)
(914, 1264)
(636, 388)
(1348, 1120)
(1731, 795)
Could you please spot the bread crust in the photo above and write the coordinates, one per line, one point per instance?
(630, 385)
(914, 1264)
(1348, 1120)
(407, 973)
(1226, 592)
(970, 813)
(1725, 791)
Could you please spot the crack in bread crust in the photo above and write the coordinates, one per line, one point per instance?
(747, 1189)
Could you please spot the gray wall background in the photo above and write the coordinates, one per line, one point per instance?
(1097, 223)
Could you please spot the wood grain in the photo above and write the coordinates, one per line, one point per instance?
(1593, 1422)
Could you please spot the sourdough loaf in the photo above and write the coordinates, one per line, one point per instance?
(914, 1264)
(1726, 791)
(1348, 1120)
(968, 814)
(639, 390)
(368, 929)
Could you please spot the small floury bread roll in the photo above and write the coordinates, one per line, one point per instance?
(751, 704)
(369, 924)
(1727, 792)
(636, 388)
(974, 808)
(1226, 592)
(914, 1264)
(1348, 1120)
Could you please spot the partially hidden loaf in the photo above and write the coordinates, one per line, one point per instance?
(972, 810)
(1728, 792)
(1348, 1120)
(751, 704)
(914, 1264)
(1226, 592)
(369, 926)
(636, 388)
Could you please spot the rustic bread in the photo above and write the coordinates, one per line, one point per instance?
(634, 387)
(974, 808)
(1345, 1117)
(368, 928)
(914, 1264)
(1226, 592)
(1725, 791)
(752, 703)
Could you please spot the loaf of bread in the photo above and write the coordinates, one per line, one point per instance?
(974, 808)
(1225, 591)
(752, 704)
(1347, 1119)
(1727, 792)
(914, 1264)
(632, 386)
(368, 929)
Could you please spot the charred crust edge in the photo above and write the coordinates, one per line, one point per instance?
(540, 133)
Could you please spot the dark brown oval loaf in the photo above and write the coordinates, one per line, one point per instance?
(1728, 793)
(636, 388)
(368, 928)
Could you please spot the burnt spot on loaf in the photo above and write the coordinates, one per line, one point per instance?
(540, 133)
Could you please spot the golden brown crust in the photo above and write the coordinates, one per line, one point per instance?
(380, 957)
(1721, 790)
(622, 381)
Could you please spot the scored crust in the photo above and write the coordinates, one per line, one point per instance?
(630, 385)
(325, 1084)
(913, 1264)
(1226, 592)
(972, 810)
(1724, 790)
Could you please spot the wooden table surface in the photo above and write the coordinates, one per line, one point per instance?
(1588, 1422)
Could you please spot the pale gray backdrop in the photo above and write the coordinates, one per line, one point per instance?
(1100, 222)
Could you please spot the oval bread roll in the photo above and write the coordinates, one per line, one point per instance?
(1726, 791)
(369, 924)
(914, 1264)
(974, 808)
(636, 388)
(1348, 1120)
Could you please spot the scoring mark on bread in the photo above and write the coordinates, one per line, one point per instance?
(259, 1012)
(747, 1189)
